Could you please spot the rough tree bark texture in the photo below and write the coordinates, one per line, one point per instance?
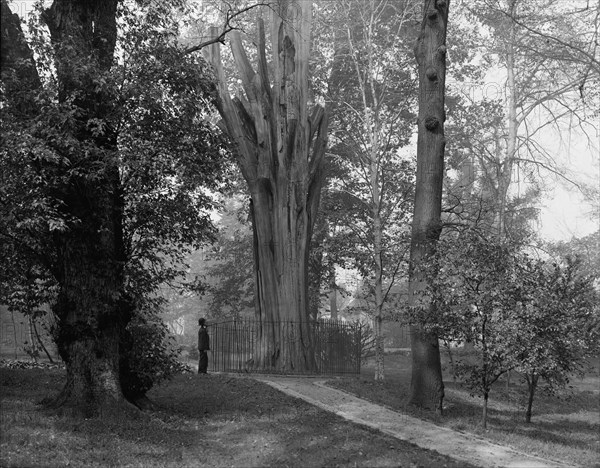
(427, 387)
(280, 150)
(89, 309)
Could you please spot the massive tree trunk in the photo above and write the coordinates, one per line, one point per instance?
(91, 254)
(427, 387)
(280, 150)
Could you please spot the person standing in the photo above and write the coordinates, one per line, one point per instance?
(203, 347)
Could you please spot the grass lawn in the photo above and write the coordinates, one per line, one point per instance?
(565, 427)
(212, 420)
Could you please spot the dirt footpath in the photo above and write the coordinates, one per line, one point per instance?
(458, 445)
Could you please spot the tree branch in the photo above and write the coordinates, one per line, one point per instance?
(227, 28)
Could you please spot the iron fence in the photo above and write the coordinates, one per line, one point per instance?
(335, 346)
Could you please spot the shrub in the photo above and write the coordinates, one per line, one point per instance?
(149, 355)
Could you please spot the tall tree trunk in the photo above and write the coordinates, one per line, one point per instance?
(280, 150)
(506, 165)
(91, 252)
(377, 251)
(427, 387)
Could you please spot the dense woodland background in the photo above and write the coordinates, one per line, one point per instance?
(296, 161)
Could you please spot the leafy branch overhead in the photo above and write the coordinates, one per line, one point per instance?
(108, 184)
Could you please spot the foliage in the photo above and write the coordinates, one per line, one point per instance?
(230, 263)
(518, 312)
(18, 364)
(370, 89)
(536, 74)
(567, 433)
(556, 323)
(586, 250)
(151, 356)
(155, 128)
(173, 157)
(472, 180)
(471, 283)
(24, 287)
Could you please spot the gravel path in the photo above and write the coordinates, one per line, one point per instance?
(458, 445)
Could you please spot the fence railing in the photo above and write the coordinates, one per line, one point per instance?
(334, 344)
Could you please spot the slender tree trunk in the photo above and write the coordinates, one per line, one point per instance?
(378, 319)
(484, 414)
(451, 359)
(372, 126)
(427, 387)
(532, 381)
(41, 343)
(376, 200)
(507, 164)
(280, 150)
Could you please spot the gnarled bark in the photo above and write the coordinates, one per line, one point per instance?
(280, 148)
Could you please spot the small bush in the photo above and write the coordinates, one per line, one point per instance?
(149, 355)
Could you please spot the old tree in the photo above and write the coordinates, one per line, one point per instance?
(280, 146)
(104, 164)
(90, 254)
(427, 387)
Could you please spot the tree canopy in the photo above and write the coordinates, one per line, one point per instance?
(111, 158)
(120, 146)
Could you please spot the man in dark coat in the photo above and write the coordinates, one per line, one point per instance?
(203, 346)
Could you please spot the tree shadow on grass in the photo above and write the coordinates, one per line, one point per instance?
(213, 420)
(512, 422)
(556, 432)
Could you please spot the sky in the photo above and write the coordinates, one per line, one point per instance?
(565, 212)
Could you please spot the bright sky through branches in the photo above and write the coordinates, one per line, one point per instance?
(564, 212)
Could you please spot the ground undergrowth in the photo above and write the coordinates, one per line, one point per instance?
(565, 427)
(208, 420)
